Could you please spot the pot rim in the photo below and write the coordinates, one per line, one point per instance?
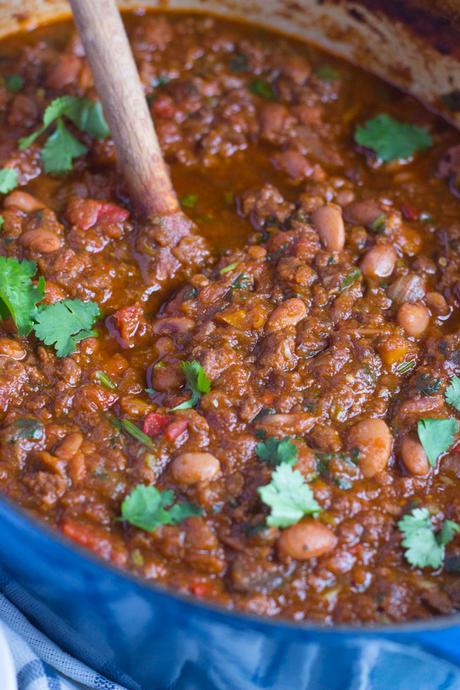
(43, 531)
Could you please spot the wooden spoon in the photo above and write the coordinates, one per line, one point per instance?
(119, 88)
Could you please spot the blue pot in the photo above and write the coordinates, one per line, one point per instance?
(149, 639)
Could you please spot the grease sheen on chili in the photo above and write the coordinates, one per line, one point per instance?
(318, 289)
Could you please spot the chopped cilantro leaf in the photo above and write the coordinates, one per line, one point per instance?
(197, 382)
(327, 73)
(18, 295)
(288, 496)
(189, 200)
(243, 282)
(14, 82)
(390, 139)
(436, 436)
(8, 180)
(276, 451)
(424, 548)
(262, 88)
(349, 279)
(239, 63)
(60, 150)
(2, 220)
(65, 323)
(404, 367)
(378, 225)
(133, 430)
(28, 429)
(427, 384)
(453, 392)
(148, 508)
(105, 380)
(228, 268)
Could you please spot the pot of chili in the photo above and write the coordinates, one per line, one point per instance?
(229, 447)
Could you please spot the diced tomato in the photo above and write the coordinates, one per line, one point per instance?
(127, 320)
(200, 589)
(85, 213)
(409, 212)
(175, 429)
(163, 106)
(155, 423)
(111, 213)
(95, 539)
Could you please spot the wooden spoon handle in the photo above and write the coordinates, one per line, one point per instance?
(125, 107)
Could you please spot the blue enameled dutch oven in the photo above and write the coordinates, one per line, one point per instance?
(147, 638)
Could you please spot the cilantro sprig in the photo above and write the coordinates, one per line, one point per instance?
(390, 139)
(197, 382)
(8, 180)
(18, 294)
(289, 497)
(277, 451)
(436, 436)
(65, 323)
(452, 393)
(61, 147)
(148, 508)
(423, 546)
(62, 324)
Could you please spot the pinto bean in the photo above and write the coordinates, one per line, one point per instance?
(414, 457)
(307, 539)
(379, 262)
(362, 212)
(23, 201)
(287, 424)
(373, 439)
(289, 313)
(12, 349)
(328, 222)
(69, 446)
(437, 303)
(190, 468)
(41, 240)
(414, 318)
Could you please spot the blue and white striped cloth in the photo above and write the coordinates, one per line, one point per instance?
(40, 664)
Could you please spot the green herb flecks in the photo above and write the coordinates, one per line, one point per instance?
(128, 427)
(327, 73)
(14, 82)
(27, 428)
(262, 88)
(105, 380)
(197, 382)
(350, 279)
(277, 451)
(189, 200)
(427, 384)
(379, 224)
(405, 367)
